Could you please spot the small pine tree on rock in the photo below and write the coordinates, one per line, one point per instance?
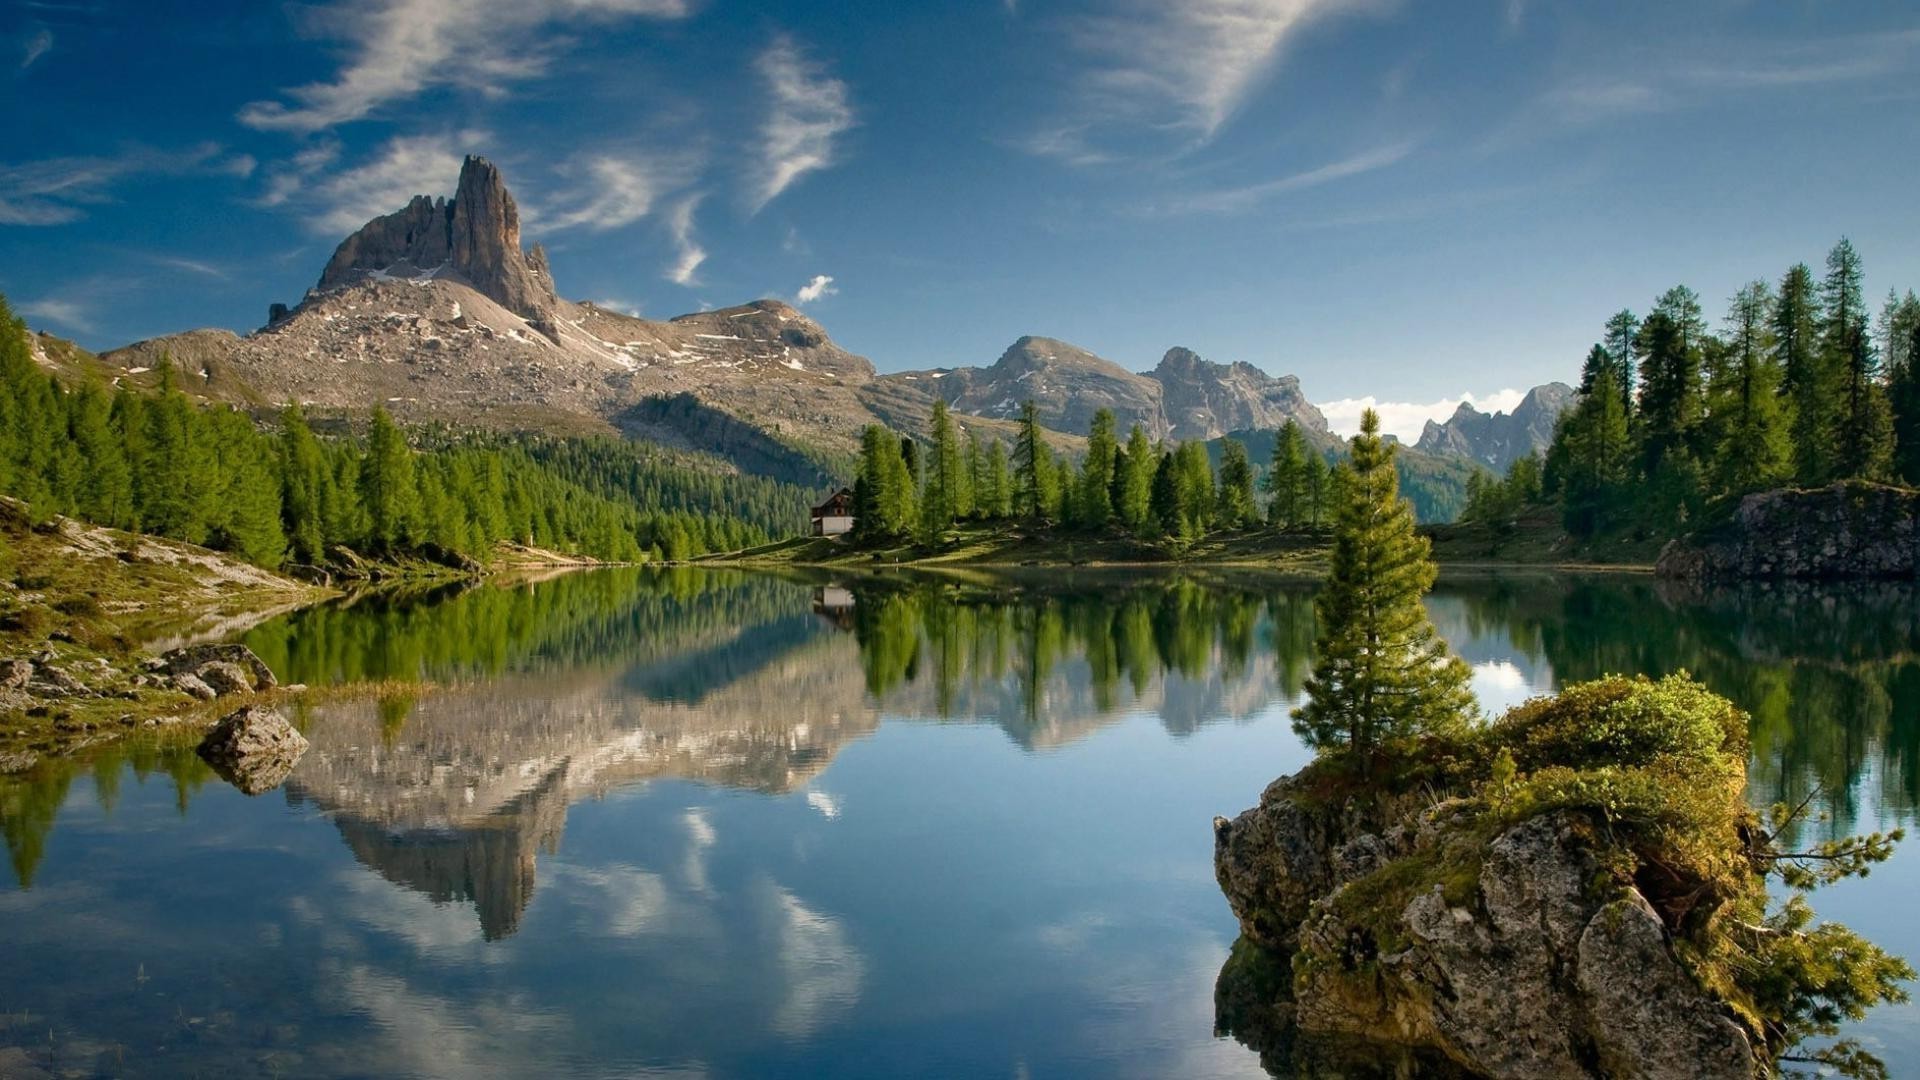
(1383, 675)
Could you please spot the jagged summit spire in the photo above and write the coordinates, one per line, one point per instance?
(474, 237)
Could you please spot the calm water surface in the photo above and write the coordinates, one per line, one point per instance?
(712, 824)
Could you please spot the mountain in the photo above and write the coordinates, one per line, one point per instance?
(1497, 440)
(438, 312)
(1202, 399)
(1184, 397)
(1067, 383)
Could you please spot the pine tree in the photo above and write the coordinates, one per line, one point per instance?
(303, 477)
(1094, 497)
(1319, 484)
(1623, 330)
(1903, 387)
(387, 487)
(1803, 381)
(1752, 444)
(1036, 492)
(1286, 478)
(247, 516)
(940, 506)
(1194, 479)
(883, 492)
(997, 499)
(976, 474)
(1383, 675)
(1133, 483)
(173, 471)
(1671, 406)
(1164, 501)
(1592, 441)
(1234, 506)
(105, 494)
(1866, 437)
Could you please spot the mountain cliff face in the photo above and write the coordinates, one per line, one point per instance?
(1498, 440)
(474, 239)
(1067, 383)
(1185, 397)
(1202, 400)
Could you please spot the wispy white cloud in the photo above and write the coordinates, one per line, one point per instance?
(191, 266)
(64, 313)
(398, 48)
(1185, 66)
(609, 192)
(688, 253)
(37, 45)
(807, 112)
(1247, 196)
(1692, 74)
(407, 165)
(1405, 419)
(58, 190)
(821, 285)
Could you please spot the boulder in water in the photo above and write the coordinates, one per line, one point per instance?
(253, 748)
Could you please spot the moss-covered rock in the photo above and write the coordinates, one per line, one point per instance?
(1578, 889)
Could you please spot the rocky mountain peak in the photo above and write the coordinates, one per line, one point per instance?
(475, 238)
(1497, 440)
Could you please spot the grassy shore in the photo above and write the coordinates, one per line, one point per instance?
(85, 607)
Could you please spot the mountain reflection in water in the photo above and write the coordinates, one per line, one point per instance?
(883, 911)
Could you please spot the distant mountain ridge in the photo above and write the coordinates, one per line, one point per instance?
(1184, 397)
(436, 312)
(1498, 440)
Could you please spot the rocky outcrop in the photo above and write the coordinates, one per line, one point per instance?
(475, 237)
(1850, 531)
(253, 748)
(1533, 973)
(1498, 440)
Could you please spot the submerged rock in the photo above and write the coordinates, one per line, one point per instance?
(253, 748)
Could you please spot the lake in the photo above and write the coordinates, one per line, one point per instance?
(708, 823)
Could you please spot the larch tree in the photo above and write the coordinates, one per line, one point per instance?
(940, 504)
(387, 486)
(1234, 505)
(1286, 478)
(1133, 484)
(1093, 499)
(1383, 675)
(1036, 489)
(1903, 386)
(1753, 448)
(1803, 378)
(1623, 329)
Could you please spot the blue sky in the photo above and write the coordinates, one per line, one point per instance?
(1412, 201)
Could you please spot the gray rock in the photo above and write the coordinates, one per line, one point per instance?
(193, 658)
(192, 686)
(1648, 1018)
(1550, 971)
(475, 237)
(225, 677)
(253, 748)
(14, 674)
(1853, 530)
